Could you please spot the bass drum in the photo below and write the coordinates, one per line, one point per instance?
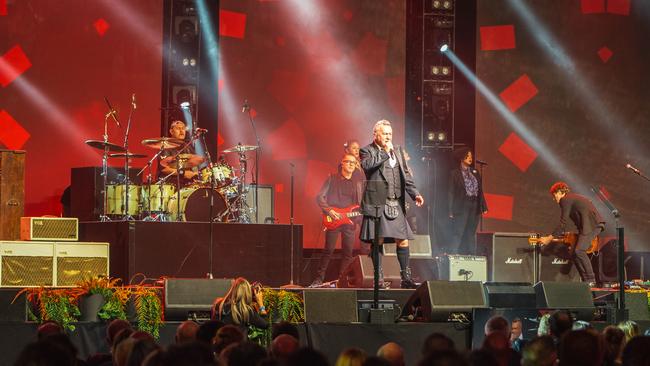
(195, 205)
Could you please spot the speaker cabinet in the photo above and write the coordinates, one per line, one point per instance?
(49, 228)
(12, 193)
(462, 268)
(445, 300)
(419, 247)
(556, 265)
(80, 261)
(510, 257)
(265, 203)
(330, 306)
(192, 298)
(26, 264)
(563, 295)
(510, 295)
(360, 273)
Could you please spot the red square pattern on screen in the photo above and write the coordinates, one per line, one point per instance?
(499, 37)
(518, 152)
(592, 6)
(101, 26)
(605, 54)
(518, 93)
(232, 24)
(13, 64)
(499, 206)
(620, 7)
(3, 7)
(12, 134)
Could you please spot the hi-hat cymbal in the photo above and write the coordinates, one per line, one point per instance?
(100, 145)
(131, 155)
(162, 143)
(186, 161)
(239, 148)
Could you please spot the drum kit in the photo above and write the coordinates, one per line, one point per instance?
(217, 192)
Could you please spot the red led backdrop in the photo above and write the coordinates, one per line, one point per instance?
(315, 72)
(571, 74)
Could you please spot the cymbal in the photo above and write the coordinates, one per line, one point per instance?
(162, 143)
(131, 155)
(186, 161)
(98, 144)
(240, 148)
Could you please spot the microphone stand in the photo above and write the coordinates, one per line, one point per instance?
(104, 217)
(127, 195)
(638, 172)
(211, 218)
(258, 153)
(621, 312)
(291, 221)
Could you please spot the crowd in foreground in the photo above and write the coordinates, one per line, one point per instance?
(560, 341)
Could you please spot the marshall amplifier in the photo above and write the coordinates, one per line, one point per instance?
(462, 268)
(509, 256)
(556, 265)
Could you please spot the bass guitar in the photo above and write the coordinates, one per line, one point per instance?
(569, 239)
(346, 214)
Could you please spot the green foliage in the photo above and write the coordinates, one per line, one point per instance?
(281, 305)
(113, 308)
(149, 311)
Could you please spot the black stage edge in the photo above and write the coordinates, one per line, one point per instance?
(258, 252)
(330, 339)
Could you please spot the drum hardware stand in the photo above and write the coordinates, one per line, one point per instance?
(127, 194)
(149, 164)
(111, 113)
(247, 108)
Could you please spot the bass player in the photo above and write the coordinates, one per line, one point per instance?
(339, 199)
(586, 218)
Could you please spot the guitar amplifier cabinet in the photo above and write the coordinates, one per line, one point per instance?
(462, 268)
(510, 257)
(26, 264)
(49, 228)
(80, 261)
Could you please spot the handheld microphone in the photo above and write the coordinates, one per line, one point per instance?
(480, 162)
(629, 166)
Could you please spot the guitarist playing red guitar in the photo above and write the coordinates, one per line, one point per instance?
(586, 218)
(339, 200)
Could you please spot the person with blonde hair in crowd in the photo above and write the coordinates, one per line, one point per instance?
(237, 306)
(630, 328)
(351, 357)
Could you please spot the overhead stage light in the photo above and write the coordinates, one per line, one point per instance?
(444, 47)
(185, 105)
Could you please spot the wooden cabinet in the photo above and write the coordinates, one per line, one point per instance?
(12, 193)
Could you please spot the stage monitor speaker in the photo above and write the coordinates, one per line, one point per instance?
(445, 301)
(330, 306)
(510, 257)
(462, 268)
(26, 264)
(12, 193)
(510, 295)
(80, 261)
(419, 247)
(192, 298)
(360, 273)
(265, 202)
(563, 295)
(49, 228)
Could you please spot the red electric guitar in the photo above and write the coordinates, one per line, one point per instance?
(346, 213)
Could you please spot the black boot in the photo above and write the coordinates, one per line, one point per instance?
(407, 281)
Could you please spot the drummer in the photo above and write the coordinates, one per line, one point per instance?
(177, 130)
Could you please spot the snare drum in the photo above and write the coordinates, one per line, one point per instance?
(116, 199)
(195, 204)
(221, 173)
(157, 196)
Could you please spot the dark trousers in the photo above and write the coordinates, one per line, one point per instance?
(347, 244)
(580, 257)
(463, 226)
